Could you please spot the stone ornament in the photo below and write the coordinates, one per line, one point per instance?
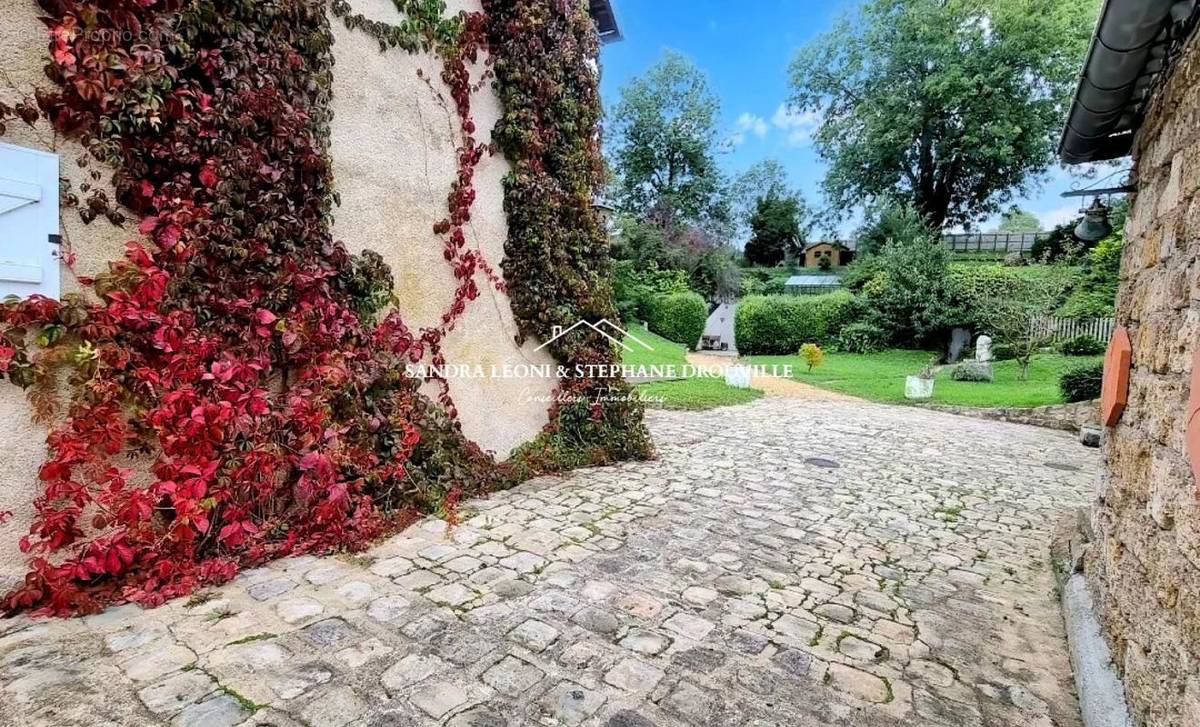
(1115, 392)
(1192, 436)
(983, 348)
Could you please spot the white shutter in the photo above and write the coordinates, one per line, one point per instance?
(28, 222)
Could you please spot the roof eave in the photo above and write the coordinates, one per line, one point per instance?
(1129, 54)
(606, 20)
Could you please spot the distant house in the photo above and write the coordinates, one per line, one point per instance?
(811, 284)
(839, 253)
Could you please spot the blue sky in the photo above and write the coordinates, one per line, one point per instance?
(744, 48)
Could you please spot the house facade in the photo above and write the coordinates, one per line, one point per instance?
(838, 254)
(396, 146)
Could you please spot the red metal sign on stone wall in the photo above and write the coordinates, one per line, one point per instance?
(1115, 392)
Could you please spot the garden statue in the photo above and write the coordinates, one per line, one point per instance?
(960, 338)
(983, 348)
(981, 368)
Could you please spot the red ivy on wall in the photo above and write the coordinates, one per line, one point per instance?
(242, 351)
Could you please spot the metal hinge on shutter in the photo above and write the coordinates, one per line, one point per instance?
(14, 194)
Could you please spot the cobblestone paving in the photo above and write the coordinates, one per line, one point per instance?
(731, 582)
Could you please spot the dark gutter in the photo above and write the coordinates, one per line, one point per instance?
(1131, 50)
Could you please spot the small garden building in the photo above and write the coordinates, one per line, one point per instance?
(811, 284)
(838, 253)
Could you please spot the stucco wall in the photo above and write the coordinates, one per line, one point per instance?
(23, 42)
(1146, 563)
(393, 153)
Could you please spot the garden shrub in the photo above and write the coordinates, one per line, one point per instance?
(841, 308)
(861, 337)
(1059, 244)
(812, 355)
(678, 317)
(775, 286)
(1003, 352)
(652, 244)
(780, 324)
(1084, 345)
(908, 295)
(1082, 383)
(633, 288)
(973, 287)
(972, 371)
(764, 281)
(1095, 296)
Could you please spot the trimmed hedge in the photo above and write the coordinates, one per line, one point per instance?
(1082, 383)
(1084, 345)
(678, 317)
(780, 324)
(861, 337)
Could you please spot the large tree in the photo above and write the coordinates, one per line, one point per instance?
(764, 179)
(664, 132)
(1015, 219)
(951, 106)
(775, 230)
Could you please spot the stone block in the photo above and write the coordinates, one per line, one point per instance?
(1090, 436)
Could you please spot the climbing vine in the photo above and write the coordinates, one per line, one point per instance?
(249, 358)
(557, 262)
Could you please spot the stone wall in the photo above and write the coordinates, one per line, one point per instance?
(1066, 417)
(1145, 564)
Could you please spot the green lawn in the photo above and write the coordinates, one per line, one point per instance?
(880, 377)
(665, 352)
(694, 393)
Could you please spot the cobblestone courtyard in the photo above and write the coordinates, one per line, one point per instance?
(731, 582)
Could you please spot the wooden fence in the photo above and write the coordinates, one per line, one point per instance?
(1062, 329)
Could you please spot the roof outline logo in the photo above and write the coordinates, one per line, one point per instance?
(558, 332)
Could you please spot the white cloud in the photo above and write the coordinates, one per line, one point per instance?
(1057, 216)
(752, 123)
(747, 123)
(798, 124)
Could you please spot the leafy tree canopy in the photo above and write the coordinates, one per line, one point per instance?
(665, 138)
(766, 178)
(775, 230)
(952, 106)
(1015, 219)
(891, 223)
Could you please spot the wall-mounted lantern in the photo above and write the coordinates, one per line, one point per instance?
(605, 212)
(1094, 225)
